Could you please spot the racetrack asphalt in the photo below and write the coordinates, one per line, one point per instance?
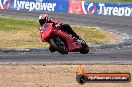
(120, 53)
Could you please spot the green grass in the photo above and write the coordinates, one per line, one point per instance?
(111, 1)
(91, 35)
(95, 36)
(25, 34)
(14, 24)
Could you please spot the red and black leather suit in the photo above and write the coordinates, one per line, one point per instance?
(63, 27)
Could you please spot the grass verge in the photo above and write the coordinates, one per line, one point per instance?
(25, 34)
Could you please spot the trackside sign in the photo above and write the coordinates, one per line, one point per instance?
(35, 5)
(94, 8)
(68, 6)
(107, 9)
(30, 5)
(113, 10)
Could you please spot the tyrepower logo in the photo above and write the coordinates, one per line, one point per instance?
(89, 8)
(119, 11)
(106, 9)
(4, 4)
(38, 5)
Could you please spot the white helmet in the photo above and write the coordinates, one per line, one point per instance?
(43, 18)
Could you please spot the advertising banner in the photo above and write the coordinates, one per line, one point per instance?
(95, 8)
(35, 5)
(68, 6)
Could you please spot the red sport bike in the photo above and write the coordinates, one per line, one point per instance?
(61, 41)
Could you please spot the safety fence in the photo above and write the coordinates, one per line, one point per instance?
(68, 6)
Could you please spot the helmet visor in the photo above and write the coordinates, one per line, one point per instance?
(42, 21)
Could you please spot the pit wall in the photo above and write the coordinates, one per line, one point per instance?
(68, 6)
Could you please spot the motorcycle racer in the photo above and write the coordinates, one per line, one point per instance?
(43, 18)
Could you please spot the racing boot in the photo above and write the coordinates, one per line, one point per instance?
(78, 39)
(81, 41)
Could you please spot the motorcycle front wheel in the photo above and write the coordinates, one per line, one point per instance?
(84, 49)
(59, 45)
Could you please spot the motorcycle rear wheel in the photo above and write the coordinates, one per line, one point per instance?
(59, 45)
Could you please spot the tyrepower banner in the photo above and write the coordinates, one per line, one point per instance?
(94, 8)
(35, 5)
